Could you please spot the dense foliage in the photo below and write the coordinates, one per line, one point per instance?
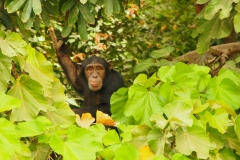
(179, 112)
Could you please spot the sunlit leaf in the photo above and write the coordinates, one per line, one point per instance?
(193, 139)
(216, 137)
(58, 90)
(12, 44)
(108, 7)
(156, 141)
(40, 70)
(8, 138)
(30, 128)
(142, 103)
(85, 121)
(111, 138)
(8, 102)
(30, 93)
(146, 153)
(60, 114)
(5, 70)
(80, 144)
(105, 119)
(226, 92)
(218, 120)
(127, 152)
(178, 111)
(178, 156)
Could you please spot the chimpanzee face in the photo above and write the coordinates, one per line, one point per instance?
(95, 74)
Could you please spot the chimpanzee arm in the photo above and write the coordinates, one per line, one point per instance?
(71, 69)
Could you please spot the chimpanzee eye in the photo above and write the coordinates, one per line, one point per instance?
(89, 68)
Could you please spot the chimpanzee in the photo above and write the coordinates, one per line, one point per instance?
(95, 79)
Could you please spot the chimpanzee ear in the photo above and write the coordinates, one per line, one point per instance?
(110, 65)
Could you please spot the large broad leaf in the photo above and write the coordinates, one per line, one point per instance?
(156, 141)
(30, 93)
(8, 102)
(118, 101)
(218, 120)
(12, 43)
(193, 139)
(233, 140)
(79, 145)
(5, 69)
(143, 103)
(214, 28)
(110, 138)
(60, 114)
(237, 20)
(9, 142)
(226, 92)
(58, 90)
(179, 112)
(215, 6)
(127, 152)
(40, 70)
(32, 128)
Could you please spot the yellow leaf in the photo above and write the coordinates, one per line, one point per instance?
(104, 119)
(146, 153)
(85, 121)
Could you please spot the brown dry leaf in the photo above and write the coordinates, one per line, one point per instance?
(146, 153)
(85, 121)
(104, 119)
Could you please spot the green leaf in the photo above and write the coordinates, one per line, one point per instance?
(67, 5)
(237, 22)
(144, 65)
(215, 6)
(73, 15)
(142, 103)
(86, 13)
(15, 5)
(232, 139)
(179, 112)
(237, 126)
(58, 90)
(83, 1)
(216, 137)
(60, 114)
(214, 28)
(117, 6)
(193, 139)
(37, 6)
(178, 156)
(127, 152)
(118, 101)
(30, 128)
(80, 144)
(227, 154)
(8, 138)
(30, 93)
(108, 7)
(40, 70)
(111, 138)
(45, 17)
(156, 141)
(6, 20)
(27, 10)
(218, 120)
(5, 71)
(162, 52)
(8, 102)
(82, 28)
(12, 44)
(66, 29)
(226, 92)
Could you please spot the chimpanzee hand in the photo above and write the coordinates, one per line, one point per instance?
(64, 49)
